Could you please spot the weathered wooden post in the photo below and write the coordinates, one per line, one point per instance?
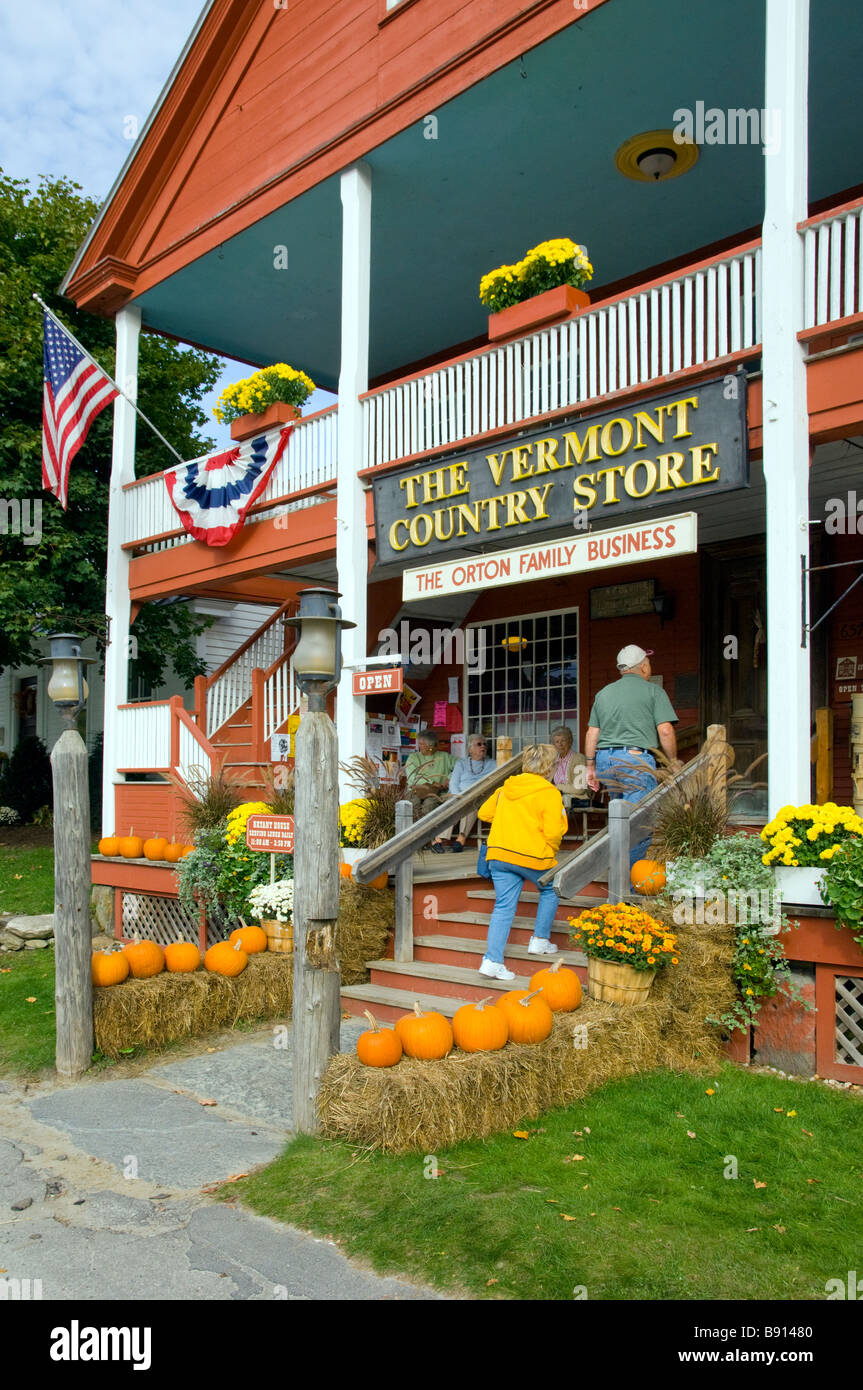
(73, 989)
(403, 948)
(619, 812)
(317, 981)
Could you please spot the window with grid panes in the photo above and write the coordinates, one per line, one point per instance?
(529, 683)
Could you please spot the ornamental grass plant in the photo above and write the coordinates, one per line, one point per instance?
(208, 798)
(254, 393)
(552, 263)
(370, 819)
(692, 815)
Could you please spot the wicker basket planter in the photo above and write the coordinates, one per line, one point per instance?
(618, 984)
(280, 935)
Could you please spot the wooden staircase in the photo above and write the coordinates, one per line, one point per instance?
(451, 920)
(234, 740)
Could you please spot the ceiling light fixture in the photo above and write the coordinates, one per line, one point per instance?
(654, 156)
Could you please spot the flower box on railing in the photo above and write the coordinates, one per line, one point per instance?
(248, 426)
(551, 307)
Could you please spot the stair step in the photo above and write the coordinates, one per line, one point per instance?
(451, 981)
(528, 896)
(474, 946)
(388, 1004)
(483, 918)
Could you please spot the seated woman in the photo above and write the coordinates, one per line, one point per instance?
(466, 772)
(569, 772)
(426, 774)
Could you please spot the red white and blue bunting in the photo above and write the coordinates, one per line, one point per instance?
(212, 496)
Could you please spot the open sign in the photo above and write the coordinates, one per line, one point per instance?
(390, 679)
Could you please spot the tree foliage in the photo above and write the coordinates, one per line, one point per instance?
(61, 579)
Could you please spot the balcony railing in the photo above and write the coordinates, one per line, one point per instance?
(833, 261)
(307, 465)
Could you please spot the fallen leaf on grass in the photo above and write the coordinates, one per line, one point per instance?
(587, 1129)
(568, 1218)
(759, 1184)
(7, 970)
(31, 999)
(555, 1200)
(710, 1091)
(752, 1228)
(680, 1115)
(691, 1133)
(489, 1282)
(579, 1133)
(617, 1208)
(780, 1229)
(520, 1134)
(208, 1102)
(814, 1179)
(778, 1110)
(653, 1199)
(807, 1131)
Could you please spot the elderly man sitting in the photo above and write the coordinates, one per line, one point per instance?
(426, 774)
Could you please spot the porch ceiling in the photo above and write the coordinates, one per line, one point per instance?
(525, 154)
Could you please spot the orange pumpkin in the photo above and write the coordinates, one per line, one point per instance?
(145, 958)
(109, 845)
(182, 957)
(477, 1028)
(378, 1047)
(252, 939)
(379, 882)
(344, 869)
(132, 846)
(155, 847)
(108, 967)
(428, 1036)
(647, 876)
(174, 852)
(187, 849)
(528, 1016)
(561, 987)
(225, 959)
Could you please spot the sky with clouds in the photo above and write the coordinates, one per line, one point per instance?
(76, 78)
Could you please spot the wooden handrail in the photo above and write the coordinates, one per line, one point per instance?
(274, 618)
(407, 842)
(180, 715)
(592, 857)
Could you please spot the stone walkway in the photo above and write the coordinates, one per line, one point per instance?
(100, 1185)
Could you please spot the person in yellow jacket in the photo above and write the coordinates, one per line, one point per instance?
(528, 823)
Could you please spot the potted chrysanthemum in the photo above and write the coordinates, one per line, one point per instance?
(801, 842)
(625, 947)
(543, 288)
(270, 397)
(273, 905)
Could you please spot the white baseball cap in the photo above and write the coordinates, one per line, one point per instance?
(631, 656)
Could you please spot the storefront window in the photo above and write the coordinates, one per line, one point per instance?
(529, 680)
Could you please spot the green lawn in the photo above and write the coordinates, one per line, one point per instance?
(26, 879)
(26, 1029)
(652, 1214)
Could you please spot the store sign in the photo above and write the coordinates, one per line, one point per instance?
(275, 834)
(378, 682)
(583, 474)
(626, 545)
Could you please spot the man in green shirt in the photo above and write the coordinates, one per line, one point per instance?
(628, 718)
(426, 774)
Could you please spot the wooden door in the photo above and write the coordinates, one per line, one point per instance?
(734, 647)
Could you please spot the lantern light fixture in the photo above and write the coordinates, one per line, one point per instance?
(67, 687)
(317, 657)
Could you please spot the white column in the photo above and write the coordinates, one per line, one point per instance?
(351, 541)
(786, 421)
(117, 601)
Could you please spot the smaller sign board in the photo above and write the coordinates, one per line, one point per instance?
(274, 834)
(388, 680)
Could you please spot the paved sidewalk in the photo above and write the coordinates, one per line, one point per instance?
(100, 1185)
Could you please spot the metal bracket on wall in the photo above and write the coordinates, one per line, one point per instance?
(806, 629)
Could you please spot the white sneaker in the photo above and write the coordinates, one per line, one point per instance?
(494, 970)
(539, 946)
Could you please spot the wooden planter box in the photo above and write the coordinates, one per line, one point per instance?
(248, 426)
(550, 307)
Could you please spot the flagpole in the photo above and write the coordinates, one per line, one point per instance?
(91, 358)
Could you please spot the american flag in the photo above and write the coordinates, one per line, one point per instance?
(75, 391)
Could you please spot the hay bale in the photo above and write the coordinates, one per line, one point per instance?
(150, 1013)
(366, 918)
(426, 1106)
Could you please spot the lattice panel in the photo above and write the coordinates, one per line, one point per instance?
(849, 1020)
(163, 920)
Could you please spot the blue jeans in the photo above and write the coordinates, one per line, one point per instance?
(508, 880)
(633, 783)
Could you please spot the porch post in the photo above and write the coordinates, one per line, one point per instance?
(786, 420)
(351, 537)
(117, 601)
